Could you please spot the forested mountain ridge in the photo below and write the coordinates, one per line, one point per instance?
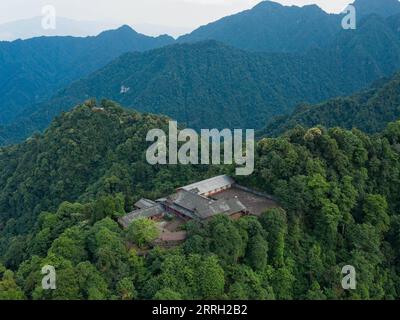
(370, 111)
(273, 27)
(83, 145)
(384, 8)
(356, 58)
(194, 82)
(32, 70)
(338, 189)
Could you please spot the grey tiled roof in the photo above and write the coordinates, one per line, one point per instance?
(205, 186)
(228, 207)
(203, 207)
(144, 203)
(190, 200)
(155, 210)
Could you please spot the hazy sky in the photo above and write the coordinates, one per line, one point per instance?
(185, 13)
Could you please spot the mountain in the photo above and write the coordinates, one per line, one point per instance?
(272, 27)
(194, 82)
(31, 70)
(370, 111)
(154, 30)
(30, 28)
(372, 49)
(92, 135)
(61, 193)
(384, 8)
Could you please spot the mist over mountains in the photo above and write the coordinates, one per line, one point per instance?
(30, 28)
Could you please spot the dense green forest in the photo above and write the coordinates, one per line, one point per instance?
(61, 192)
(193, 82)
(32, 70)
(273, 27)
(369, 111)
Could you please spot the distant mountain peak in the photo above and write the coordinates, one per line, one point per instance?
(272, 27)
(128, 32)
(125, 27)
(268, 4)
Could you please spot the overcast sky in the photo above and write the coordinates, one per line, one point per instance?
(177, 13)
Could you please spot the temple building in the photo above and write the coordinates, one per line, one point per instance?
(203, 200)
(211, 186)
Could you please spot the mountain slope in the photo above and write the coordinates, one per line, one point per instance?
(31, 70)
(202, 85)
(369, 111)
(194, 83)
(338, 191)
(30, 28)
(383, 8)
(76, 156)
(370, 50)
(272, 27)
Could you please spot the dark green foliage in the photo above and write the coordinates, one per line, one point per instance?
(384, 8)
(274, 221)
(335, 186)
(32, 70)
(8, 288)
(193, 83)
(272, 27)
(142, 232)
(87, 154)
(338, 191)
(307, 58)
(370, 111)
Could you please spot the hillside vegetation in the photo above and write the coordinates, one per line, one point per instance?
(32, 70)
(370, 111)
(193, 83)
(272, 27)
(338, 189)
